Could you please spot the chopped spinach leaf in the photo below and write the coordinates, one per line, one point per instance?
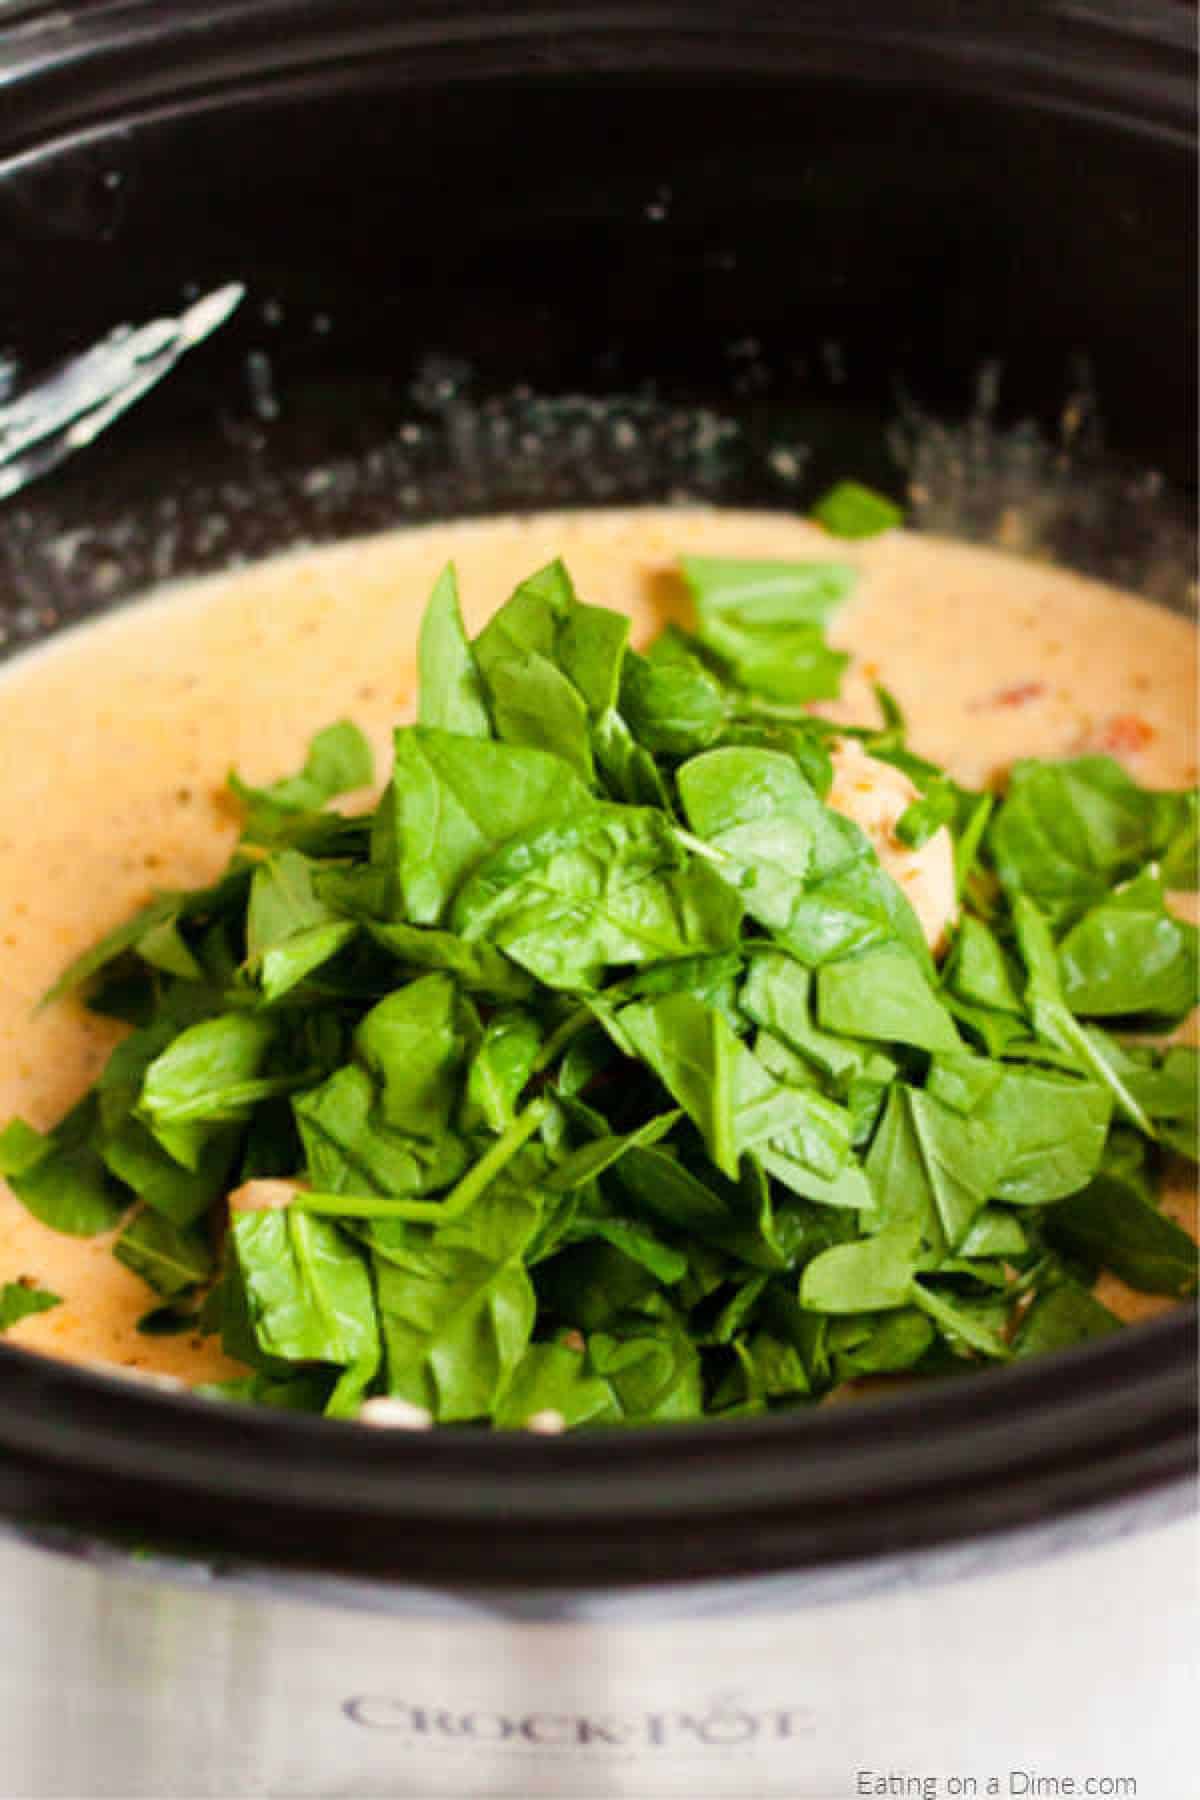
(765, 622)
(170, 1259)
(851, 510)
(1067, 832)
(21, 1300)
(1110, 1224)
(451, 692)
(61, 1177)
(339, 760)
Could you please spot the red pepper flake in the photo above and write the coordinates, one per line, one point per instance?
(1124, 731)
(1020, 695)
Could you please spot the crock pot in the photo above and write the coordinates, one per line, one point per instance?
(474, 257)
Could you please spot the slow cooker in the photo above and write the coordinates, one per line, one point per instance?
(275, 271)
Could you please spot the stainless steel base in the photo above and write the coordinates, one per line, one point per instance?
(970, 1666)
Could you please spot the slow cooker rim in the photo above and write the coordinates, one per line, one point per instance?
(1079, 1397)
(1086, 1438)
(1133, 74)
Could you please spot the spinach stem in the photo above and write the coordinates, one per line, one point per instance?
(460, 1197)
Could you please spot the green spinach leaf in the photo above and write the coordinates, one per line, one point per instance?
(449, 685)
(1109, 1224)
(451, 801)
(60, 1176)
(1129, 957)
(882, 993)
(766, 621)
(673, 703)
(339, 761)
(759, 815)
(610, 887)
(1067, 832)
(850, 510)
(308, 1293)
(170, 1259)
(1062, 1316)
(20, 1300)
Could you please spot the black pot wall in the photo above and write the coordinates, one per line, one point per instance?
(754, 209)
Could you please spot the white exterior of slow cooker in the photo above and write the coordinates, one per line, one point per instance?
(1061, 1661)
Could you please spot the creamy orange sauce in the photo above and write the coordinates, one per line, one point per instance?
(115, 741)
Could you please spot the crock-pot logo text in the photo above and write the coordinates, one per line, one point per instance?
(721, 1725)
